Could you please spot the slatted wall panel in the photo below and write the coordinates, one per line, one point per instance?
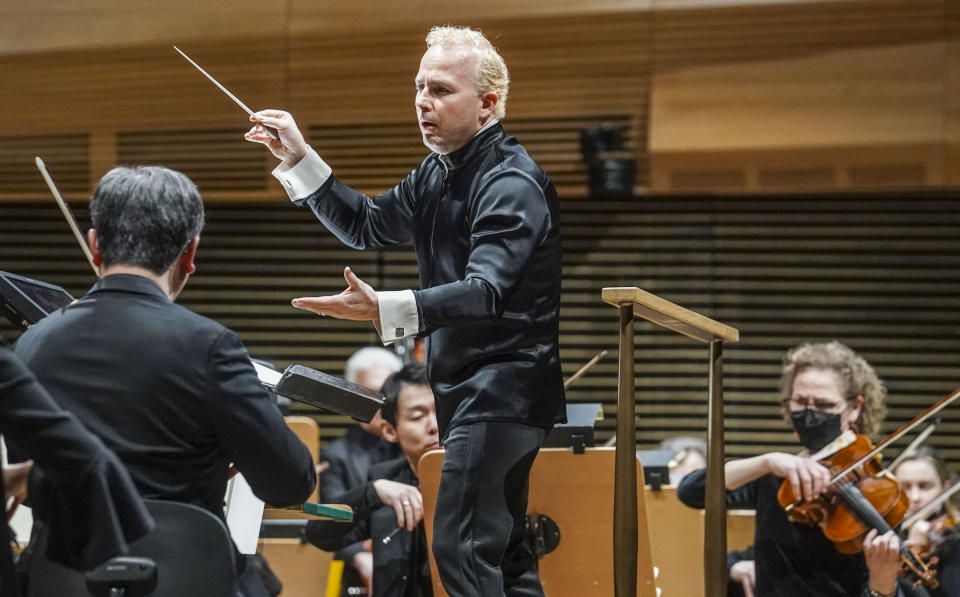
(216, 160)
(371, 157)
(582, 64)
(689, 37)
(877, 271)
(67, 154)
(253, 259)
(374, 157)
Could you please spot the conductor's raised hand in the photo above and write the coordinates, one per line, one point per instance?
(290, 147)
(358, 302)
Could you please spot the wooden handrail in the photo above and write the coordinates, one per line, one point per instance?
(633, 302)
(669, 315)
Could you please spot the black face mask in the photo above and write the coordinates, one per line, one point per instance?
(815, 427)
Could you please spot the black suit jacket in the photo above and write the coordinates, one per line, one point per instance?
(400, 567)
(78, 487)
(172, 393)
(485, 224)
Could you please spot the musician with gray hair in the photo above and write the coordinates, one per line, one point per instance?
(172, 393)
(483, 219)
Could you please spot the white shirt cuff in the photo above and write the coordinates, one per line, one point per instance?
(398, 315)
(305, 177)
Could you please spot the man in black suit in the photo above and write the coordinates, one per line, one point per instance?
(388, 508)
(172, 393)
(484, 221)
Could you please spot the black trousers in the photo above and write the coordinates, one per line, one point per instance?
(479, 535)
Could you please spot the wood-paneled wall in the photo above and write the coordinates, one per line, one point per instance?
(783, 100)
(877, 271)
(736, 96)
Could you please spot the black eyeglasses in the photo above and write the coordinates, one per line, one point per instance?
(824, 404)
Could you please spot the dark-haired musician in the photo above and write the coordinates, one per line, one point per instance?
(172, 393)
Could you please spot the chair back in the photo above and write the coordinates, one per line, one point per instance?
(191, 548)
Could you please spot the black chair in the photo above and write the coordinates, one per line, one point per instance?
(188, 554)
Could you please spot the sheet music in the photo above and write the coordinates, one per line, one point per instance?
(267, 376)
(244, 514)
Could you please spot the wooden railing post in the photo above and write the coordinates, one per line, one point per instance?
(625, 476)
(631, 303)
(715, 529)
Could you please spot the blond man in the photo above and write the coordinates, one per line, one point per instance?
(483, 219)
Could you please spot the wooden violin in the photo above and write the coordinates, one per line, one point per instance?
(862, 495)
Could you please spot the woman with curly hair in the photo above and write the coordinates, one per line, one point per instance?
(826, 389)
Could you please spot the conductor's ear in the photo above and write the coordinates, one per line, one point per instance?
(488, 103)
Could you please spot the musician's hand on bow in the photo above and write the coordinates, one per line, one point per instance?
(808, 478)
(405, 500)
(882, 554)
(358, 302)
(290, 147)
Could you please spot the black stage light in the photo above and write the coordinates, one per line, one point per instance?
(611, 169)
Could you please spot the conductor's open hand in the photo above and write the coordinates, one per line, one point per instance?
(290, 147)
(405, 500)
(358, 302)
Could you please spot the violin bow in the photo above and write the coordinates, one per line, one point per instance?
(911, 448)
(582, 370)
(67, 214)
(935, 503)
(912, 424)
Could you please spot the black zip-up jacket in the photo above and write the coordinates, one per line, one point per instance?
(484, 222)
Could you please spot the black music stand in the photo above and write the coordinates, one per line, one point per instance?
(25, 301)
(322, 390)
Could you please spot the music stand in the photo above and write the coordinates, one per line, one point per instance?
(323, 390)
(25, 301)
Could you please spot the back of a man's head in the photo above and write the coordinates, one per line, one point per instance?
(145, 216)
